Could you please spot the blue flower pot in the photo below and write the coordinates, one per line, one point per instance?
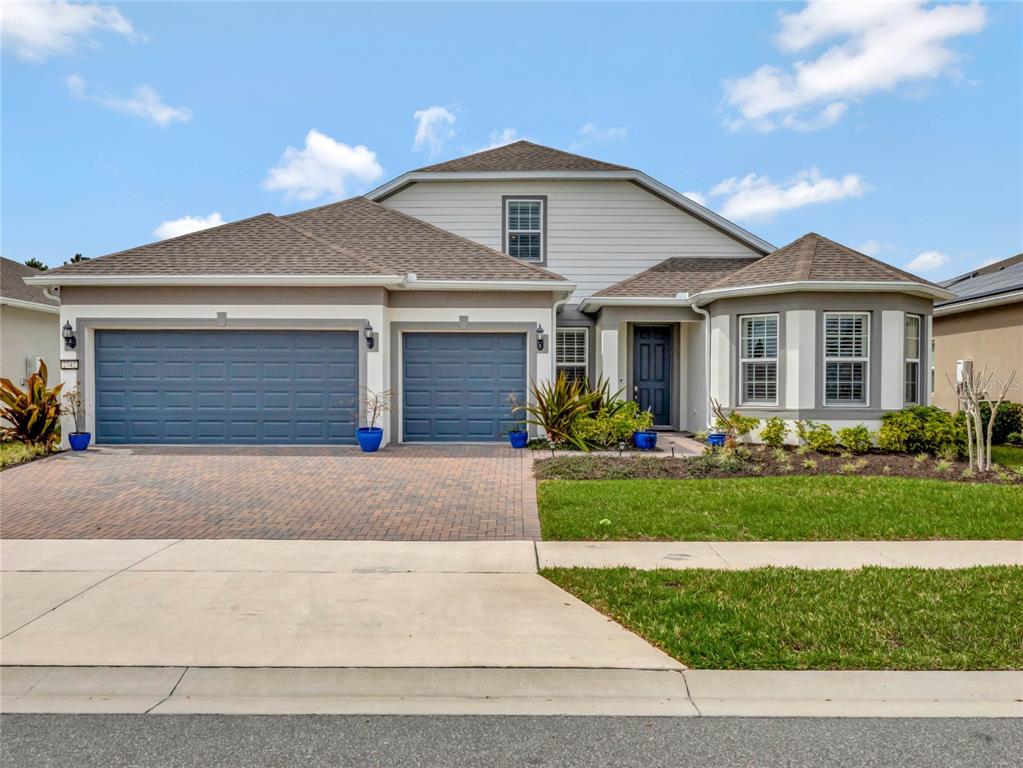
(645, 441)
(716, 439)
(519, 438)
(369, 438)
(79, 440)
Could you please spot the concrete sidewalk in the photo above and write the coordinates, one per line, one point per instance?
(741, 555)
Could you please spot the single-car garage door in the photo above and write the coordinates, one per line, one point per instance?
(220, 386)
(455, 386)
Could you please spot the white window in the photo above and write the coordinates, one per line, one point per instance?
(571, 353)
(846, 357)
(912, 380)
(758, 359)
(523, 234)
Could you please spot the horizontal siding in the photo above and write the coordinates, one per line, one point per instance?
(598, 232)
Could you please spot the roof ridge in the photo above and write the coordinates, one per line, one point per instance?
(805, 255)
(434, 227)
(339, 249)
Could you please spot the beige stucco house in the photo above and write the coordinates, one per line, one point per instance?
(29, 324)
(456, 285)
(982, 323)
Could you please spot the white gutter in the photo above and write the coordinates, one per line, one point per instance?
(967, 305)
(633, 301)
(878, 286)
(638, 177)
(32, 305)
(414, 283)
(275, 280)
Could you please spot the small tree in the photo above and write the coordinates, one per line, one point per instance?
(76, 403)
(36, 264)
(972, 391)
(375, 404)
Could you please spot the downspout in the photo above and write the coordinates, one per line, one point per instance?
(706, 350)
(48, 292)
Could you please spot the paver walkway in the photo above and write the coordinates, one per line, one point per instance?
(407, 493)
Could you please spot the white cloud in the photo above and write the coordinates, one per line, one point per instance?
(187, 224)
(874, 247)
(323, 166)
(592, 135)
(36, 31)
(501, 138)
(434, 127)
(757, 197)
(928, 261)
(145, 102)
(875, 47)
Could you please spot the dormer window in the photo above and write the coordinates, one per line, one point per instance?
(524, 219)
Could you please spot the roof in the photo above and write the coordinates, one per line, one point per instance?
(521, 156)
(355, 237)
(991, 280)
(813, 258)
(398, 244)
(674, 276)
(14, 288)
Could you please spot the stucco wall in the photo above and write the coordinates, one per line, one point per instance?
(989, 337)
(27, 334)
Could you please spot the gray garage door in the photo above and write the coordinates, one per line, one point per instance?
(455, 386)
(222, 386)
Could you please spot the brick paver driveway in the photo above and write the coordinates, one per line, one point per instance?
(411, 493)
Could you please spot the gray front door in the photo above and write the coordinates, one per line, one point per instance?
(651, 371)
(221, 386)
(455, 386)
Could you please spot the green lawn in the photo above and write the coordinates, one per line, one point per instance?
(15, 452)
(791, 508)
(786, 618)
(1007, 455)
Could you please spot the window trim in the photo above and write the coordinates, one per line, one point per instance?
(585, 364)
(542, 199)
(776, 360)
(825, 359)
(906, 359)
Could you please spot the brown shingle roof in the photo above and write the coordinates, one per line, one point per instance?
(13, 287)
(674, 276)
(352, 237)
(813, 257)
(398, 244)
(523, 156)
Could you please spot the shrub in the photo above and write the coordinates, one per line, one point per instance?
(32, 414)
(1014, 438)
(613, 424)
(923, 429)
(556, 408)
(819, 437)
(736, 425)
(1008, 420)
(857, 439)
(774, 432)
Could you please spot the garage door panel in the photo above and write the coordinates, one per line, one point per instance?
(226, 386)
(456, 385)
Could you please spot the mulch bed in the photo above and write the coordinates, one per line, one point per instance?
(760, 461)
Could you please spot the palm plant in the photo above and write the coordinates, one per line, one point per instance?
(32, 414)
(556, 406)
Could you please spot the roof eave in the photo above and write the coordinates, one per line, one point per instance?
(854, 286)
(34, 306)
(595, 302)
(979, 302)
(185, 280)
(638, 177)
(414, 283)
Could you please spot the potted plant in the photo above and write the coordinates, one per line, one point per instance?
(645, 439)
(376, 404)
(79, 439)
(518, 437)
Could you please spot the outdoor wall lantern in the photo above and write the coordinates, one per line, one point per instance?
(539, 337)
(368, 331)
(70, 342)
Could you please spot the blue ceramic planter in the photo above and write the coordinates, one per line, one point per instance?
(369, 438)
(79, 440)
(645, 441)
(716, 439)
(518, 438)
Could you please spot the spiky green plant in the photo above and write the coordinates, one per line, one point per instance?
(33, 413)
(556, 406)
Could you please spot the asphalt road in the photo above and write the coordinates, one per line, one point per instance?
(187, 741)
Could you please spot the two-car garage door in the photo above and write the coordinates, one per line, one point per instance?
(299, 387)
(221, 386)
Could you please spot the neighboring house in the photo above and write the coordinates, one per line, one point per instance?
(982, 323)
(29, 325)
(458, 284)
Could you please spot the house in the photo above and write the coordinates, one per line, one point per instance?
(29, 324)
(983, 323)
(455, 285)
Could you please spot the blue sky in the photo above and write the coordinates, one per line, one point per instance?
(893, 129)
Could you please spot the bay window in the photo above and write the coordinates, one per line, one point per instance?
(846, 358)
(758, 359)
